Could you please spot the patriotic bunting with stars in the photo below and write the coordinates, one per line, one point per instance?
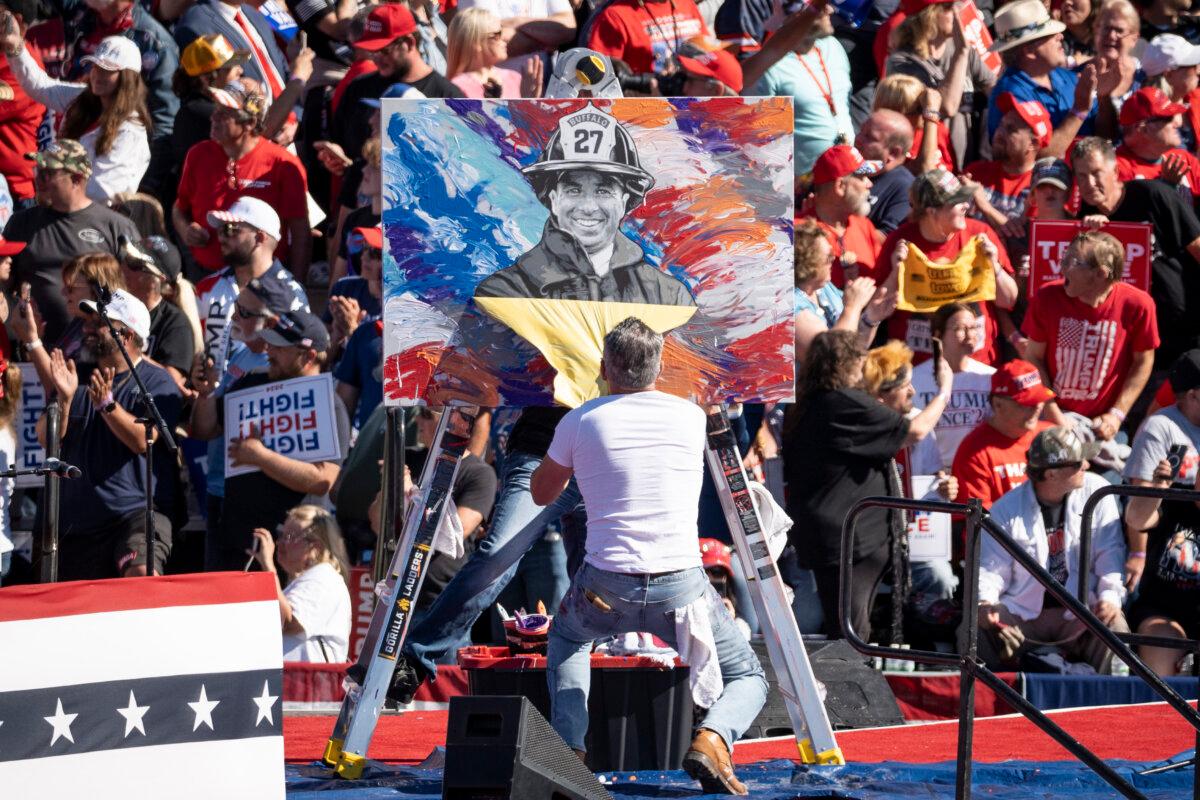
(168, 686)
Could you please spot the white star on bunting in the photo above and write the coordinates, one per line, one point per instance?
(62, 724)
(264, 703)
(133, 714)
(203, 708)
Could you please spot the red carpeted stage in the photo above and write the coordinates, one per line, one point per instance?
(1111, 732)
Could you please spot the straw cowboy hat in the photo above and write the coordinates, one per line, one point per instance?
(1021, 22)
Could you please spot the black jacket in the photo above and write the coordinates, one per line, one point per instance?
(557, 268)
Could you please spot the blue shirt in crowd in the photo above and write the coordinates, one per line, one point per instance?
(1059, 99)
(362, 367)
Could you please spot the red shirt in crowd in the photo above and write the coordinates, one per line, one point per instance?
(913, 329)
(1089, 350)
(267, 172)
(1131, 167)
(1006, 192)
(988, 464)
(945, 152)
(19, 120)
(860, 238)
(644, 34)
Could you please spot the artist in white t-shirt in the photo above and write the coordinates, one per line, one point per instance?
(637, 455)
(958, 326)
(315, 607)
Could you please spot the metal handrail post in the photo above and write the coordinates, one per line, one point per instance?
(970, 647)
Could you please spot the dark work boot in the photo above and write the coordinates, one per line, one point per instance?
(708, 761)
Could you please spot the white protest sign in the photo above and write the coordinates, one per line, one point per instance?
(928, 534)
(294, 418)
(33, 402)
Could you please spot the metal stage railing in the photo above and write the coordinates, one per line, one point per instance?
(967, 662)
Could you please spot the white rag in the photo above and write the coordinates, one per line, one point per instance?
(775, 521)
(448, 538)
(698, 649)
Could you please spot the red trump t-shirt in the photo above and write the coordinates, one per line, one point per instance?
(1089, 350)
(267, 172)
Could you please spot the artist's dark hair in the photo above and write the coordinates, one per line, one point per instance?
(632, 354)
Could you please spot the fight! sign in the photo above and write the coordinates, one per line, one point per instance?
(1048, 240)
(294, 418)
(30, 452)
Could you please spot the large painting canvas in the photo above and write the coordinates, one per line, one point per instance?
(519, 232)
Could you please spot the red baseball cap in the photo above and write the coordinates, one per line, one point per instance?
(910, 7)
(1032, 113)
(10, 248)
(842, 160)
(371, 237)
(702, 56)
(1020, 381)
(715, 553)
(1148, 103)
(384, 25)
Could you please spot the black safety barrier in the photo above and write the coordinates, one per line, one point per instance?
(967, 663)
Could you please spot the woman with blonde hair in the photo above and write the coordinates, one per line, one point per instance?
(475, 49)
(10, 398)
(315, 607)
(919, 104)
(107, 114)
(930, 46)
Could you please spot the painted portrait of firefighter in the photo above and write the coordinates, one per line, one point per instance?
(590, 178)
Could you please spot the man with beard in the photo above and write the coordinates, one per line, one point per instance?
(65, 224)
(247, 232)
(1175, 244)
(390, 36)
(296, 347)
(840, 201)
(102, 523)
(805, 61)
(1002, 184)
(1151, 145)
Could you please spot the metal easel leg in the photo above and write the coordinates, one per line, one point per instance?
(347, 746)
(797, 682)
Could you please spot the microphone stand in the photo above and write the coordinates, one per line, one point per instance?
(151, 420)
(46, 554)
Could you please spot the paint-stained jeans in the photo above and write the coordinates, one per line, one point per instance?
(644, 603)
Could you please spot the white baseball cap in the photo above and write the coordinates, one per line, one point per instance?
(123, 307)
(115, 53)
(1168, 51)
(253, 212)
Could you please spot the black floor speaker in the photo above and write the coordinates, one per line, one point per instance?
(502, 747)
(857, 696)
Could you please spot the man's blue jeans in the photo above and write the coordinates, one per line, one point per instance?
(644, 603)
(517, 524)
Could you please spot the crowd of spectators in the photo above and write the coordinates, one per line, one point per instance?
(213, 168)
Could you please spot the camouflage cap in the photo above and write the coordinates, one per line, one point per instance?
(66, 154)
(1059, 445)
(937, 188)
